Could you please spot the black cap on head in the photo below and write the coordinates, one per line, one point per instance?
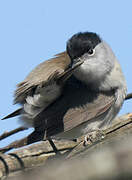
(81, 43)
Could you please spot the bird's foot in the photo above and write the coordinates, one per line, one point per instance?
(93, 136)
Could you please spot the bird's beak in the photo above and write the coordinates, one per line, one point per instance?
(77, 62)
(70, 71)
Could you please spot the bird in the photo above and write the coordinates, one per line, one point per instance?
(77, 92)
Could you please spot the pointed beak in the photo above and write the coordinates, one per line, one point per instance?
(67, 74)
(77, 62)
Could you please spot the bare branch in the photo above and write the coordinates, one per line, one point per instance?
(129, 96)
(42, 153)
(14, 131)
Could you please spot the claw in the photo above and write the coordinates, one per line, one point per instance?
(92, 137)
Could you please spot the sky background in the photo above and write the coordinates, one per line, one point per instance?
(32, 31)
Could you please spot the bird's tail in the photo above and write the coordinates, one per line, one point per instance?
(15, 113)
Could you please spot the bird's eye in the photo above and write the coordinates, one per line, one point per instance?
(91, 52)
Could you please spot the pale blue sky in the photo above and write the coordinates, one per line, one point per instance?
(32, 31)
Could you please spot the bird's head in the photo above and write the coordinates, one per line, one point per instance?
(97, 56)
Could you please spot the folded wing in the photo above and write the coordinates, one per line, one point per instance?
(76, 106)
(42, 75)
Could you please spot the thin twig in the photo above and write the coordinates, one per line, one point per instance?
(129, 96)
(14, 131)
(35, 136)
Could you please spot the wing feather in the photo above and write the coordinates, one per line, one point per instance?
(77, 105)
(42, 75)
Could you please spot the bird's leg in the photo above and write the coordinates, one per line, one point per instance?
(85, 140)
(93, 136)
(57, 152)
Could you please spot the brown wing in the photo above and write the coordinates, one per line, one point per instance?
(76, 106)
(59, 76)
(43, 73)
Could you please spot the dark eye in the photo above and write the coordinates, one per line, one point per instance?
(91, 52)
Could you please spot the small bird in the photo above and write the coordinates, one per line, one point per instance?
(77, 92)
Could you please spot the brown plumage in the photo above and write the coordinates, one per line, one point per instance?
(55, 70)
(42, 75)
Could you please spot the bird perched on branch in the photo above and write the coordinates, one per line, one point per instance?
(76, 92)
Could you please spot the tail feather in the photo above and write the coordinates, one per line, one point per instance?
(15, 113)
